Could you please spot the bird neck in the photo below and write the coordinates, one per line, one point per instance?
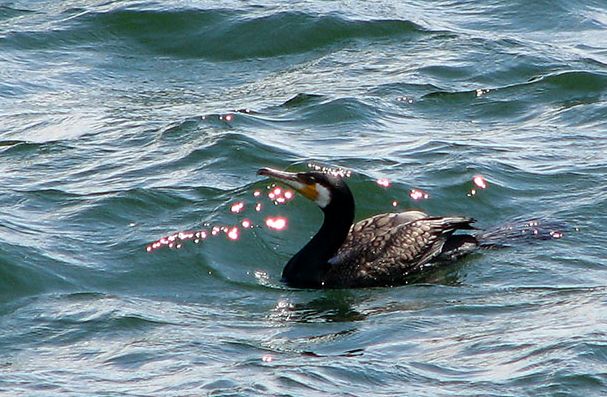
(308, 267)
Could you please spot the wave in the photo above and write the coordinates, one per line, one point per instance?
(583, 81)
(298, 111)
(40, 259)
(575, 80)
(221, 35)
(522, 101)
(7, 12)
(26, 271)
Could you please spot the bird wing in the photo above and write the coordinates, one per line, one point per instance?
(388, 254)
(363, 232)
(422, 240)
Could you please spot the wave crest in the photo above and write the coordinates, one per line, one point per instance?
(220, 35)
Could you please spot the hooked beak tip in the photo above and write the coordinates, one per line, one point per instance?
(263, 171)
(276, 174)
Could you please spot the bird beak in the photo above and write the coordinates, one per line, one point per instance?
(293, 180)
(279, 175)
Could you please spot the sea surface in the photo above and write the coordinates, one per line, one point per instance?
(125, 121)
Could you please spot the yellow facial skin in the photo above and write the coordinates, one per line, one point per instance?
(308, 191)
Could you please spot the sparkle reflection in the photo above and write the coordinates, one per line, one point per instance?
(237, 207)
(261, 275)
(384, 182)
(233, 233)
(405, 99)
(276, 223)
(176, 240)
(339, 172)
(282, 195)
(480, 182)
(418, 194)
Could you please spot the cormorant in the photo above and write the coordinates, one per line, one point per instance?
(384, 250)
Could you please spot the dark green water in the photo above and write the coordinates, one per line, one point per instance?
(113, 133)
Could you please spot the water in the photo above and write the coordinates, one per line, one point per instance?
(119, 126)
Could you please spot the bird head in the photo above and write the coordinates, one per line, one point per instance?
(320, 187)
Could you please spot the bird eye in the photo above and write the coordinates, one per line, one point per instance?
(309, 179)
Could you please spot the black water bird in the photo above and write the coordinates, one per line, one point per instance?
(384, 250)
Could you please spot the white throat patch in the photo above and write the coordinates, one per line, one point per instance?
(324, 196)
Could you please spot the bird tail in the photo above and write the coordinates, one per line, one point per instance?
(520, 231)
(452, 223)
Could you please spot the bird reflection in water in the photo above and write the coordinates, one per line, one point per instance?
(332, 306)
